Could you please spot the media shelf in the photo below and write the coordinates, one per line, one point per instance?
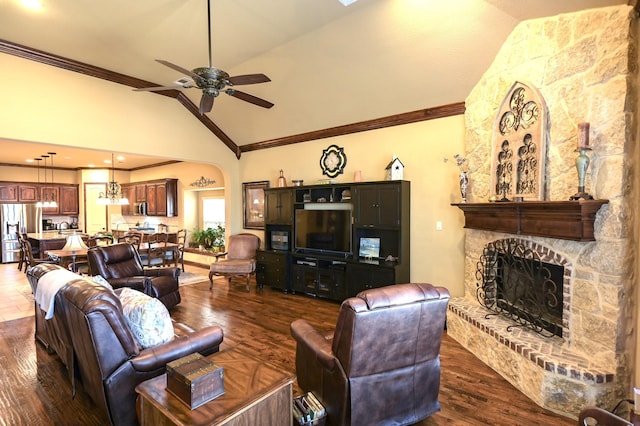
(295, 257)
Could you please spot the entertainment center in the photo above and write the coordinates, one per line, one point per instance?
(335, 240)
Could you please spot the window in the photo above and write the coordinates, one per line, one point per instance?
(212, 212)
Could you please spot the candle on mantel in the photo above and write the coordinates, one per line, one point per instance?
(583, 136)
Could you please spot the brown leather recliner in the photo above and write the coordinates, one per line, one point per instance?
(109, 359)
(120, 264)
(381, 365)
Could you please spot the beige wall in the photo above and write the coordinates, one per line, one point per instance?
(436, 256)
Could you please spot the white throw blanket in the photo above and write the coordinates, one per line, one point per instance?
(48, 286)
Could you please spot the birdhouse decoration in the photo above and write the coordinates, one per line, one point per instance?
(395, 169)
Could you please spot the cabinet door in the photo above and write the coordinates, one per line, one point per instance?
(271, 207)
(364, 277)
(129, 192)
(50, 193)
(140, 194)
(27, 193)
(9, 192)
(304, 279)
(68, 203)
(161, 199)
(378, 205)
(286, 207)
(152, 207)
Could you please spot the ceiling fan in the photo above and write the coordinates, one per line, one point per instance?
(213, 81)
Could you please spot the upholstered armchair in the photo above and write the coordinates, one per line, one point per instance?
(240, 258)
(121, 266)
(381, 364)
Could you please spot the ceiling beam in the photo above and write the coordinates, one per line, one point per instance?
(362, 126)
(104, 74)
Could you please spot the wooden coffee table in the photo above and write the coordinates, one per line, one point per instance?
(255, 394)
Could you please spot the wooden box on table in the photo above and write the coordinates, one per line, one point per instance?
(195, 380)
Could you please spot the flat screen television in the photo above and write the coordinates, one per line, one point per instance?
(319, 231)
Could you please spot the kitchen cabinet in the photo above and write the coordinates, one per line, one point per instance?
(47, 194)
(68, 202)
(162, 197)
(129, 192)
(139, 194)
(27, 193)
(9, 192)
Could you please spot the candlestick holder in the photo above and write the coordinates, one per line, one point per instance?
(582, 164)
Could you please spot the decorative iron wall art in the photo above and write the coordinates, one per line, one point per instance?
(519, 145)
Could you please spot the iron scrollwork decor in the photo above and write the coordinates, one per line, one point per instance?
(519, 145)
(513, 282)
(253, 204)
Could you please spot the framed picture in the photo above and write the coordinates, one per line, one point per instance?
(253, 204)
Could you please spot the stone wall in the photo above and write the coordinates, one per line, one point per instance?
(584, 64)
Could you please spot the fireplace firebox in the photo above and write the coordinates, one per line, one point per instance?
(515, 283)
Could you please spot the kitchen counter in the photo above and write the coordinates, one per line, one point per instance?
(49, 240)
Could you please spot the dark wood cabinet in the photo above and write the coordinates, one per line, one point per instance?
(380, 211)
(162, 197)
(68, 203)
(377, 206)
(139, 194)
(272, 269)
(9, 192)
(278, 206)
(129, 192)
(362, 276)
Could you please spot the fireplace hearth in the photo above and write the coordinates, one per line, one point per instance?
(517, 284)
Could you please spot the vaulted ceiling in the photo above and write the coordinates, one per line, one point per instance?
(330, 65)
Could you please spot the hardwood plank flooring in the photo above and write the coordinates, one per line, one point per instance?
(34, 389)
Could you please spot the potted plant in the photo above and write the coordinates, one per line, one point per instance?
(209, 239)
(198, 238)
(217, 238)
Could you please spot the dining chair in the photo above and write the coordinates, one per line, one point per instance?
(99, 240)
(156, 253)
(30, 260)
(133, 238)
(177, 254)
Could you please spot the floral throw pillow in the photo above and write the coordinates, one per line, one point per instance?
(147, 318)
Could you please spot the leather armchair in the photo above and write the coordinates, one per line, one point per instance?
(108, 358)
(121, 266)
(381, 364)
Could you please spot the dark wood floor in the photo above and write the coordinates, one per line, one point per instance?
(34, 389)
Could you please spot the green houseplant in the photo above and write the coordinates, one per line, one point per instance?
(209, 239)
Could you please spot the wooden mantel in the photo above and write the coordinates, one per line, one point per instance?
(568, 220)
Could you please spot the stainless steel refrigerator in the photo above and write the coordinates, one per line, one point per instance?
(23, 218)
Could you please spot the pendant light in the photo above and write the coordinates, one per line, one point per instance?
(38, 195)
(53, 202)
(113, 196)
(45, 192)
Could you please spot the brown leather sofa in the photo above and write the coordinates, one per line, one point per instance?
(121, 266)
(108, 359)
(381, 364)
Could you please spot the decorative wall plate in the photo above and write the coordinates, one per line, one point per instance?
(333, 161)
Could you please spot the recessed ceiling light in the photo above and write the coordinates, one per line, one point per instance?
(347, 2)
(32, 4)
(107, 161)
(120, 158)
(29, 160)
(90, 165)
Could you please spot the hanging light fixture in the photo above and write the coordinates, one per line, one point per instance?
(45, 190)
(52, 202)
(38, 198)
(113, 195)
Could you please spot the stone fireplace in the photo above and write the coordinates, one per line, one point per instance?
(585, 67)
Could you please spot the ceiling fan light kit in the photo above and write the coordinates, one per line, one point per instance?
(212, 81)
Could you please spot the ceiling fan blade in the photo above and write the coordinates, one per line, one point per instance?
(206, 103)
(249, 98)
(248, 79)
(160, 88)
(178, 68)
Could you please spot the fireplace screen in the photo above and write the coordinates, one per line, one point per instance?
(515, 283)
